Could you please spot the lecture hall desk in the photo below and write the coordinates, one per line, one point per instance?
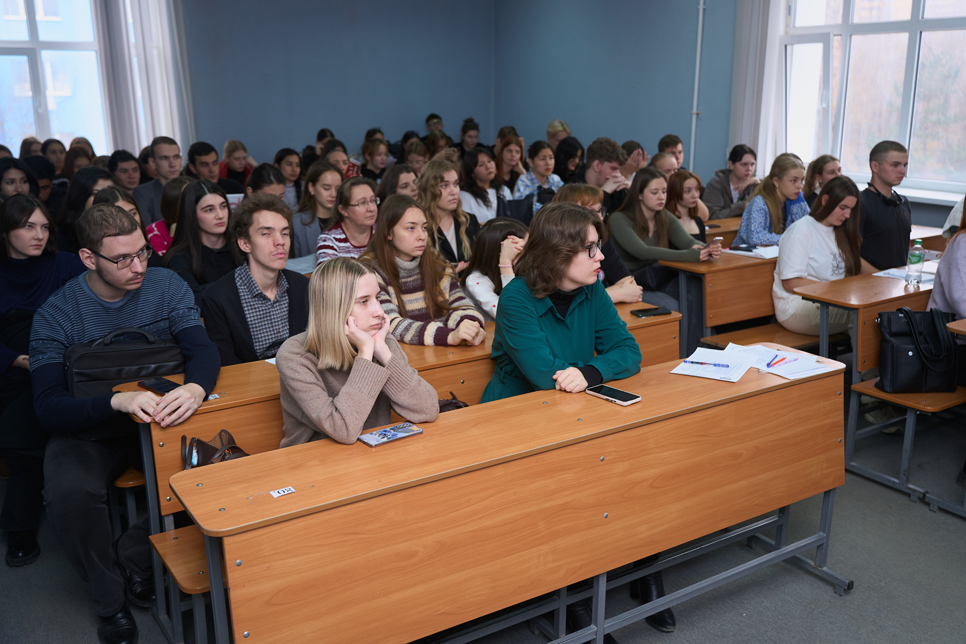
(466, 370)
(735, 288)
(727, 229)
(496, 504)
(932, 238)
(958, 327)
(865, 296)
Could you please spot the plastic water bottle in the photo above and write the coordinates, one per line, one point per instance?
(914, 264)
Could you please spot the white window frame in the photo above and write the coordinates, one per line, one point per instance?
(914, 27)
(32, 47)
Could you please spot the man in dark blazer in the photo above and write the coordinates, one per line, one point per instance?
(251, 311)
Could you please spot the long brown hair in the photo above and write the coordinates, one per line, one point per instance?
(307, 202)
(782, 165)
(675, 192)
(815, 168)
(557, 233)
(848, 236)
(633, 209)
(429, 194)
(381, 255)
(505, 141)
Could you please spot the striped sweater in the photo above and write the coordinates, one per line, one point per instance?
(334, 243)
(417, 327)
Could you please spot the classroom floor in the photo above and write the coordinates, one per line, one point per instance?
(908, 564)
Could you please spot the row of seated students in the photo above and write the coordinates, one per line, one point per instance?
(559, 275)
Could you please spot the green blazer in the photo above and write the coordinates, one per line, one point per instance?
(532, 341)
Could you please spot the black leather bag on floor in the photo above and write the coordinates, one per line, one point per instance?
(917, 354)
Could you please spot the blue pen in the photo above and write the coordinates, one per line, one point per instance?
(768, 366)
(708, 364)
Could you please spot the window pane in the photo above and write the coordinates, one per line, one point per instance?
(938, 149)
(13, 20)
(803, 74)
(809, 13)
(836, 89)
(64, 20)
(944, 9)
(74, 96)
(877, 69)
(17, 115)
(881, 10)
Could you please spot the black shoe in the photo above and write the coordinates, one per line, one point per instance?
(22, 547)
(961, 477)
(579, 616)
(650, 588)
(140, 590)
(118, 629)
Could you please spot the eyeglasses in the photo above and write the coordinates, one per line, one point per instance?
(362, 204)
(592, 249)
(143, 256)
(602, 212)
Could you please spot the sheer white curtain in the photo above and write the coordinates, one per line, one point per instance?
(149, 91)
(757, 99)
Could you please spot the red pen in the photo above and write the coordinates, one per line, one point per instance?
(776, 363)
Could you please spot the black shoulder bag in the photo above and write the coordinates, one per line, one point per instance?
(917, 354)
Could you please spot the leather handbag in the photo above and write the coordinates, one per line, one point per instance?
(917, 354)
(221, 448)
(95, 368)
(451, 404)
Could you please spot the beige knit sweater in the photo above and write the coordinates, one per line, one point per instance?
(341, 404)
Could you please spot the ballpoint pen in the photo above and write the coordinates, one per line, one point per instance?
(708, 364)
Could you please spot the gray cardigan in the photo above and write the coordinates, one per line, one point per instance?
(717, 196)
(305, 237)
(949, 291)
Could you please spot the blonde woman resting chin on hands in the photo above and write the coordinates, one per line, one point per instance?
(346, 372)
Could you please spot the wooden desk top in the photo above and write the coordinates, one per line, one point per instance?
(959, 326)
(924, 232)
(727, 262)
(240, 384)
(728, 225)
(860, 291)
(233, 497)
(422, 358)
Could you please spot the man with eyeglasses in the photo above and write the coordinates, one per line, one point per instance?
(165, 159)
(93, 439)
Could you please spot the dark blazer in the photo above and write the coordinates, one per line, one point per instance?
(457, 255)
(227, 326)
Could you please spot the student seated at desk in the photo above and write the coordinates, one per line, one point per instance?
(539, 181)
(776, 203)
(618, 281)
(820, 171)
(684, 201)
(316, 208)
(93, 440)
(31, 270)
(353, 220)
(886, 215)
(498, 245)
(200, 252)
(251, 311)
(452, 230)
(265, 178)
(344, 373)
(398, 180)
(819, 248)
(645, 233)
(728, 191)
(418, 290)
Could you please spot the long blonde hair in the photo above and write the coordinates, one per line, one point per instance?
(332, 294)
(429, 194)
(782, 165)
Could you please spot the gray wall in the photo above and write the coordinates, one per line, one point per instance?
(273, 74)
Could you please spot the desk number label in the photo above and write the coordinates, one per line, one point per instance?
(282, 492)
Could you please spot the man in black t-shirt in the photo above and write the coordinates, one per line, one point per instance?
(886, 217)
(603, 169)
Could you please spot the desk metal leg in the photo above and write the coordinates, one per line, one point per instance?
(856, 365)
(600, 592)
(683, 305)
(823, 329)
(219, 610)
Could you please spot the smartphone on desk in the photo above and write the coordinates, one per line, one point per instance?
(611, 394)
(646, 313)
(389, 434)
(160, 386)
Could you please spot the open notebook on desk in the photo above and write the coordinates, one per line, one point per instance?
(763, 252)
(787, 364)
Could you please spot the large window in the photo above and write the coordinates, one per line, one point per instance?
(861, 71)
(51, 74)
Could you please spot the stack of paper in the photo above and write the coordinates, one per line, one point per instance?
(900, 274)
(781, 363)
(717, 365)
(764, 252)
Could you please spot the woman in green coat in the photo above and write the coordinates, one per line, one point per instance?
(558, 314)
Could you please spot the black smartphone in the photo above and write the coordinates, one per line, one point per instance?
(610, 394)
(712, 226)
(159, 386)
(646, 313)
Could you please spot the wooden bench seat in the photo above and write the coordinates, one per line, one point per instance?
(183, 554)
(775, 333)
(914, 404)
